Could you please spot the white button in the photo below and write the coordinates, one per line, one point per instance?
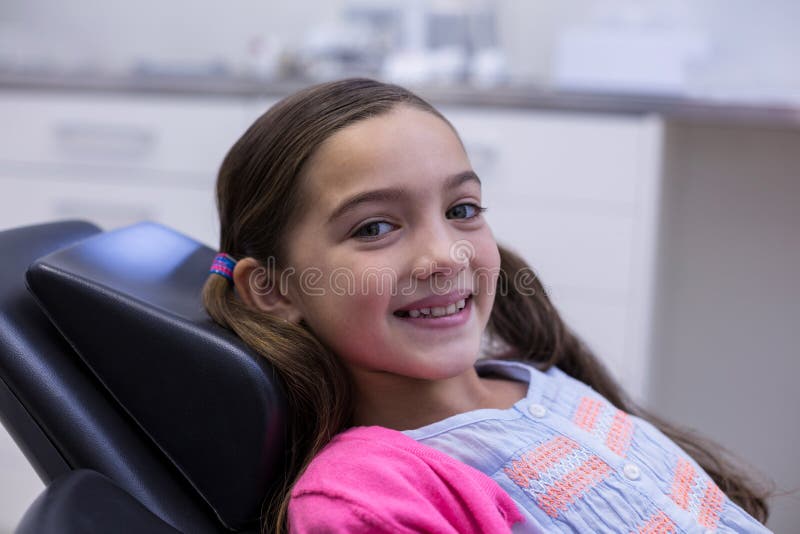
(631, 472)
(537, 410)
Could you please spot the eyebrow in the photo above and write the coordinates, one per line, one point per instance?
(395, 193)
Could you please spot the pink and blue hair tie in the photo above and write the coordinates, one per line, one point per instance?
(223, 265)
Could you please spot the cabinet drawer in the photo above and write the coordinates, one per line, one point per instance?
(555, 156)
(30, 201)
(570, 249)
(171, 134)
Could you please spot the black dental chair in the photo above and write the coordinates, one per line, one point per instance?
(137, 411)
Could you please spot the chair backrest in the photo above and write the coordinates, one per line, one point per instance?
(26, 331)
(180, 413)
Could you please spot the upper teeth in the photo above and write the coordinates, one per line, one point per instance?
(439, 311)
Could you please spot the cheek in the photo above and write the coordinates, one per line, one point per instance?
(349, 302)
(489, 256)
(486, 265)
(352, 326)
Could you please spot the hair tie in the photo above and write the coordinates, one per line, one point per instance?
(223, 265)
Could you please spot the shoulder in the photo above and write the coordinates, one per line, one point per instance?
(358, 453)
(382, 479)
(375, 461)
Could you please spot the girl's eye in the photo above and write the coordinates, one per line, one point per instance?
(373, 229)
(376, 229)
(465, 211)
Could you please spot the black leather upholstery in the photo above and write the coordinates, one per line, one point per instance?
(148, 391)
(85, 501)
(27, 385)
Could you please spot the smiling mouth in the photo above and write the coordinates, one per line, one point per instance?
(436, 311)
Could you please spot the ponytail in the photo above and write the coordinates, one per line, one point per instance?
(317, 390)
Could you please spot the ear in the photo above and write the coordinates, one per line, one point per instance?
(259, 288)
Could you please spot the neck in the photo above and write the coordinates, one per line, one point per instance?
(404, 403)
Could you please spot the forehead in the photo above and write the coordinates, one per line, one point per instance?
(405, 147)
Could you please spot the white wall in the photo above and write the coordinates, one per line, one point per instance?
(752, 44)
(726, 356)
(117, 35)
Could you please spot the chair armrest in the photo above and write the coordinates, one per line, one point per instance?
(86, 502)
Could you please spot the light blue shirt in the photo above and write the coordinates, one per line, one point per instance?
(574, 463)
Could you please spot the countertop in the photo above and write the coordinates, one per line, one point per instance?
(674, 108)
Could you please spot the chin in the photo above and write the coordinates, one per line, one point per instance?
(439, 367)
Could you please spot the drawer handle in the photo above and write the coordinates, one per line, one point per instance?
(104, 140)
(107, 214)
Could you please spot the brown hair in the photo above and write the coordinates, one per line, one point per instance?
(258, 199)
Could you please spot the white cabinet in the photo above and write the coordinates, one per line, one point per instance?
(114, 159)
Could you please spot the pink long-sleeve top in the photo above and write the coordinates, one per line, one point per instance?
(373, 479)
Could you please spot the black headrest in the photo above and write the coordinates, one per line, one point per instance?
(129, 302)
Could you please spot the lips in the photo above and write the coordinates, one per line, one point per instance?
(436, 301)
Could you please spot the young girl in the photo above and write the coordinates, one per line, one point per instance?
(432, 385)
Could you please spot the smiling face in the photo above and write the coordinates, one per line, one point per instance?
(391, 218)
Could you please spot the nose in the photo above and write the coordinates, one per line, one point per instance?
(440, 255)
